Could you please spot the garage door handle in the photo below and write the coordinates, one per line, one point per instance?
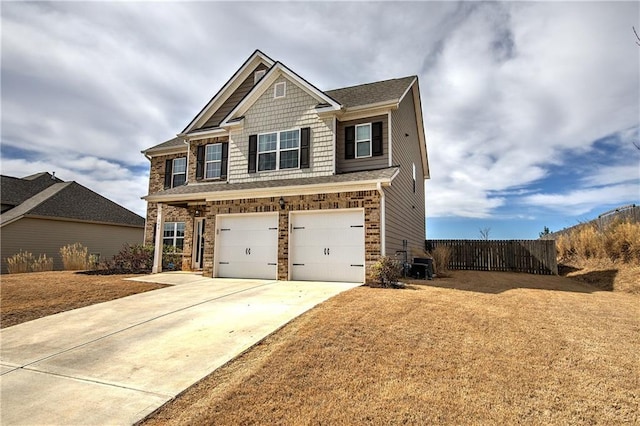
(326, 251)
(247, 251)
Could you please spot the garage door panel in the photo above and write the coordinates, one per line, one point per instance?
(327, 246)
(247, 246)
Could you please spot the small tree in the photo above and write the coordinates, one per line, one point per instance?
(545, 232)
(484, 233)
(387, 270)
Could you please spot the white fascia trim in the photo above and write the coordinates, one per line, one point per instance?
(407, 91)
(168, 151)
(230, 87)
(417, 105)
(355, 114)
(275, 192)
(204, 134)
(272, 75)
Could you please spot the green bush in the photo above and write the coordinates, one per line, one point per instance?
(171, 258)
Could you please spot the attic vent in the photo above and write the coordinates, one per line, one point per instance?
(258, 75)
(279, 90)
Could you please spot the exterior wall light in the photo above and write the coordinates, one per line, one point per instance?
(281, 202)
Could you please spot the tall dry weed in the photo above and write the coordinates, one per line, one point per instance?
(74, 257)
(20, 262)
(618, 241)
(441, 258)
(42, 264)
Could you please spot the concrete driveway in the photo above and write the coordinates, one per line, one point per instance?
(116, 362)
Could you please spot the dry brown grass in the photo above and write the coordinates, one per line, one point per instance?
(477, 348)
(25, 297)
(618, 241)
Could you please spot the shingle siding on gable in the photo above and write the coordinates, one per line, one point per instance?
(233, 100)
(295, 110)
(405, 209)
(357, 164)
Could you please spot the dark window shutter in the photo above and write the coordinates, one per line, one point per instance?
(350, 142)
(200, 162)
(168, 165)
(224, 162)
(305, 147)
(376, 138)
(253, 153)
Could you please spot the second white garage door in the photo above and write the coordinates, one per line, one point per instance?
(247, 246)
(327, 246)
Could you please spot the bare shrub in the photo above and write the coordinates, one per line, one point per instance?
(441, 258)
(42, 264)
(20, 262)
(74, 257)
(386, 271)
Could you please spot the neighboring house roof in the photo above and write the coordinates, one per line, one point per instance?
(279, 186)
(69, 201)
(17, 190)
(372, 93)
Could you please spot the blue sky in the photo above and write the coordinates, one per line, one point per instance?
(530, 108)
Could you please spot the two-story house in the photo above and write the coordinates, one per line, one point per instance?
(277, 179)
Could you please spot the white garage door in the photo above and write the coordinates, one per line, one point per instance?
(327, 246)
(247, 246)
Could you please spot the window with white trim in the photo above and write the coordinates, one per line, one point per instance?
(279, 150)
(173, 235)
(280, 90)
(258, 75)
(363, 140)
(213, 161)
(179, 172)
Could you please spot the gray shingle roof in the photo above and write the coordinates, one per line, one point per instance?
(348, 97)
(371, 93)
(70, 200)
(17, 190)
(203, 188)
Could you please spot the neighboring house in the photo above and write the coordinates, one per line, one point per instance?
(276, 179)
(41, 213)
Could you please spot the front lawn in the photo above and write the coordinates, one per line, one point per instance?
(25, 297)
(477, 348)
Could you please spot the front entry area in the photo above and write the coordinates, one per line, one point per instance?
(327, 245)
(246, 246)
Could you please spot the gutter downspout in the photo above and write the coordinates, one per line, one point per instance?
(383, 249)
(186, 177)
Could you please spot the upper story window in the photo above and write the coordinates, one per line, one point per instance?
(258, 75)
(363, 140)
(288, 149)
(173, 234)
(213, 161)
(279, 150)
(175, 172)
(280, 90)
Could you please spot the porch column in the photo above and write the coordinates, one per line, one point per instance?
(157, 253)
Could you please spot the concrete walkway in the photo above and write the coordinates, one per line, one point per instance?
(116, 362)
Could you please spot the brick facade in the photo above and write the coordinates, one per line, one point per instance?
(367, 200)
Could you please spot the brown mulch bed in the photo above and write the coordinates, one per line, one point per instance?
(25, 297)
(474, 348)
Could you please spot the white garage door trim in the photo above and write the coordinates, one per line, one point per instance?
(327, 245)
(246, 246)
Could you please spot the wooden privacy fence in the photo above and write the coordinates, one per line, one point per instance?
(530, 256)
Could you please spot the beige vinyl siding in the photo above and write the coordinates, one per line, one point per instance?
(358, 164)
(296, 110)
(233, 100)
(405, 209)
(46, 236)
